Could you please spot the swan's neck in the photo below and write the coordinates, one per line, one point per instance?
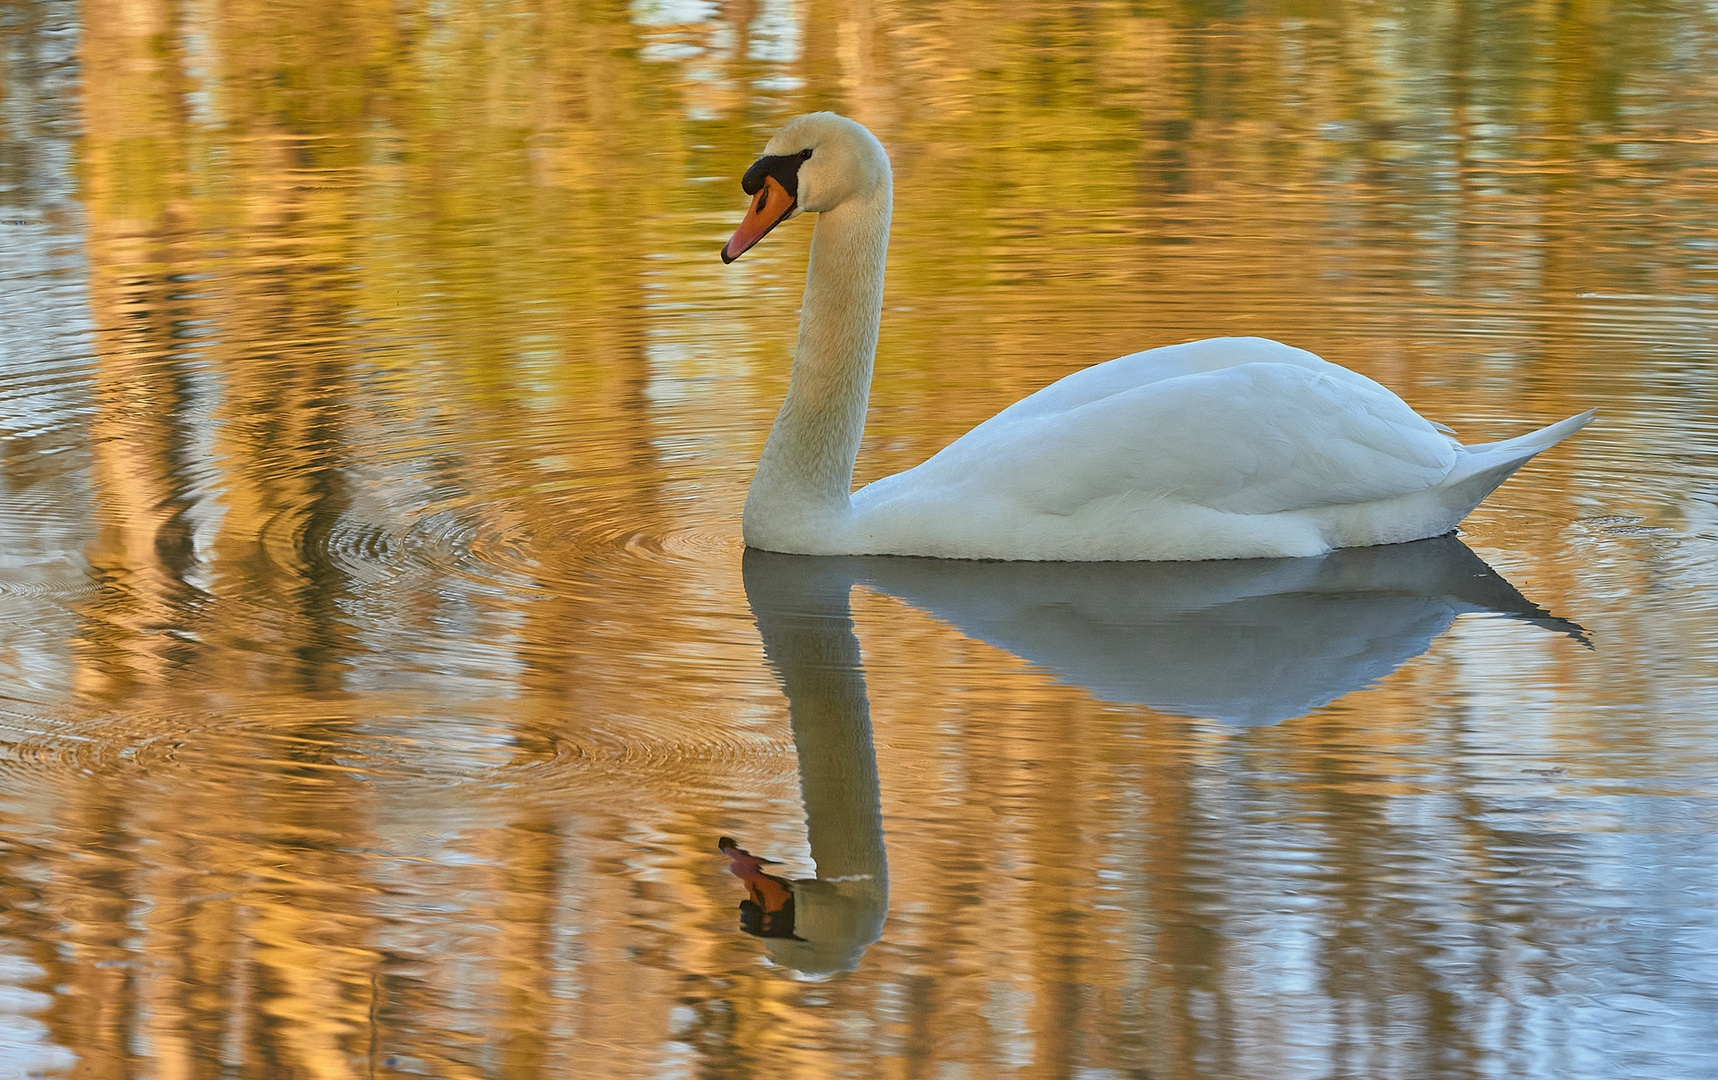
(806, 472)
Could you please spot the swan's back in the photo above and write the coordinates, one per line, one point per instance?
(1139, 369)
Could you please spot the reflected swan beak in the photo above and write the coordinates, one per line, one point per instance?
(770, 207)
(767, 911)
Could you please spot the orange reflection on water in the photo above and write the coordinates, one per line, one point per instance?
(383, 665)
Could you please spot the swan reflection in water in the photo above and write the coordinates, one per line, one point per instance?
(1249, 642)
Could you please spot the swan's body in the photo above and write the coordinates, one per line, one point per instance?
(1219, 449)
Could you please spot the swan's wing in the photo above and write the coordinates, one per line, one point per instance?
(1139, 369)
(1250, 439)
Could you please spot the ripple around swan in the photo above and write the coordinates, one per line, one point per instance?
(447, 545)
(673, 757)
(265, 742)
(499, 546)
(39, 747)
(60, 583)
(611, 588)
(699, 545)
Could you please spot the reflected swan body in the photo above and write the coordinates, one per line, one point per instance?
(1226, 448)
(1245, 641)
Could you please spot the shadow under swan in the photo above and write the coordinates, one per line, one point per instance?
(1249, 642)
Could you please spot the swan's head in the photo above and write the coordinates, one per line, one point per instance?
(816, 163)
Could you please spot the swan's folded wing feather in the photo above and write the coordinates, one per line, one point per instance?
(1250, 439)
(1130, 372)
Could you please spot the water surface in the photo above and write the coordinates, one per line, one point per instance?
(380, 664)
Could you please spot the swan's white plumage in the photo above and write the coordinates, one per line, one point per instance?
(1223, 448)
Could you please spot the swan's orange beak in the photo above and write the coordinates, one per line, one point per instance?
(770, 206)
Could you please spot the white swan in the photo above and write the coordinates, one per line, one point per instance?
(1227, 448)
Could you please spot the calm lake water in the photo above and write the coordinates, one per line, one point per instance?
(380, 664)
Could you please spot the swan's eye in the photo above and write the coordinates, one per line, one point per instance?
(805, 155)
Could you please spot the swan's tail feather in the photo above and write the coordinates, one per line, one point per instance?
(1484, 466)
(1522, 447)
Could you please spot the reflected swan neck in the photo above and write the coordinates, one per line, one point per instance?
(805, 619)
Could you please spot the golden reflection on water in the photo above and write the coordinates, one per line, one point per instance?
(380, 671)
